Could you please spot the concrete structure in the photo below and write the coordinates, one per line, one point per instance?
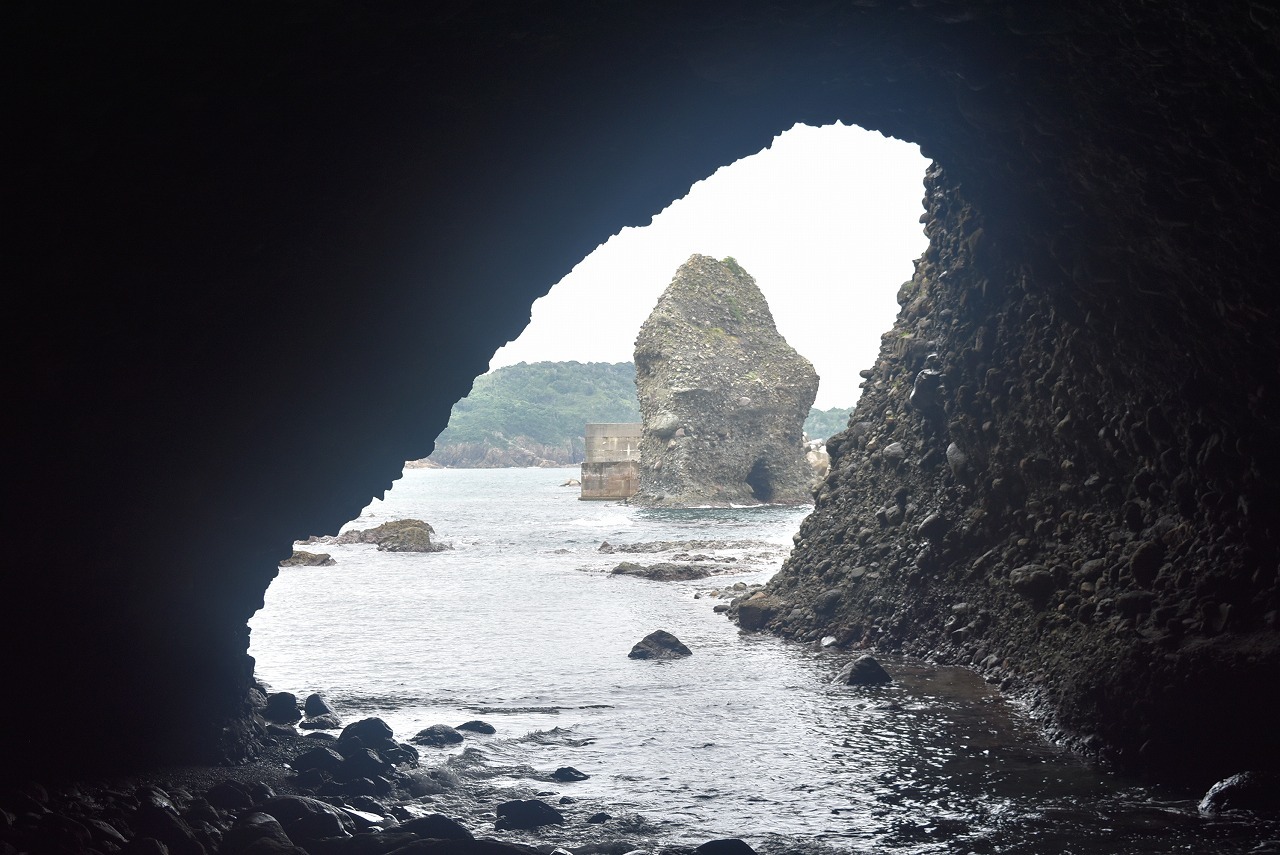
(611, 468)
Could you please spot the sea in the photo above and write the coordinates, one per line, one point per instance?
(522, 624)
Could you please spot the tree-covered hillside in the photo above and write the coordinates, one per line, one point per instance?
(824, 423)
(533, 414)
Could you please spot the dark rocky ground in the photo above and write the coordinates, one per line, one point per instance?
(358, 793)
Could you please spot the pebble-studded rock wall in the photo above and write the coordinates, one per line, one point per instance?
(1012, 494)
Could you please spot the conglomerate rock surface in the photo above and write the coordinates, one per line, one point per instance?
(723, 397)
(1000, 500)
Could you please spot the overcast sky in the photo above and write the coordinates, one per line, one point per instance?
(827, 222)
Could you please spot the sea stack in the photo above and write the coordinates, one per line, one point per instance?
(723, 397)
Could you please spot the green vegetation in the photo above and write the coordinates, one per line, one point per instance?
(824, 423)
(547, 402)
(550, 402)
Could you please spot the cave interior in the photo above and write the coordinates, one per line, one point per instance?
(258, 252)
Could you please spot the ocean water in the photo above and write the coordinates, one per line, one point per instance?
(522, 625)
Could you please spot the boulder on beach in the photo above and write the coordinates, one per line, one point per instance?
(316, 705)
(659, 644)
(863, 671)
(758, 610)
(436, 736)
(282, 708)
(327, 721)
(437, 826)
(323, 758)
(306, 820)
(372, 732)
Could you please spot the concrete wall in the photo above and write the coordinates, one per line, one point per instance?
(611, 469)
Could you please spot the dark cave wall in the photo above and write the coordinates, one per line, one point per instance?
(1016, 494)
(262, 249)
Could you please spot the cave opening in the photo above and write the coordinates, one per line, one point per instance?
(760, 481)
(245, 221)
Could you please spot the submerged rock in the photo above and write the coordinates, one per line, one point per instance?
(863, 671)
(659, 644)
(723, 397)
(437, 735)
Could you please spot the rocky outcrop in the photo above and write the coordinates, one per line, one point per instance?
(302, 558)
(723, 397)
(1011, 495)
(391, 536)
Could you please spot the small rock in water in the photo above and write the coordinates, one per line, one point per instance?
(659, 644)
(437, 735)
(597, 818)
(477, 726)
(315, 705)
(725, 846)
(526, 813)
(863, 671)
(568, 773)
(1252, 791)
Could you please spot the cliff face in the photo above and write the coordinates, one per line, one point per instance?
(1010, 495)
(723, 397)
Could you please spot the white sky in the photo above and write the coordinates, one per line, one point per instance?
(827, 222)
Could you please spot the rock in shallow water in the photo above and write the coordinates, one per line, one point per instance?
(725, 846)
(568, 773)
(316, 705)
(437, 735)
(863, 671)
(526, 813)
(659, 644)
(1252, 791)
(477, 726)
